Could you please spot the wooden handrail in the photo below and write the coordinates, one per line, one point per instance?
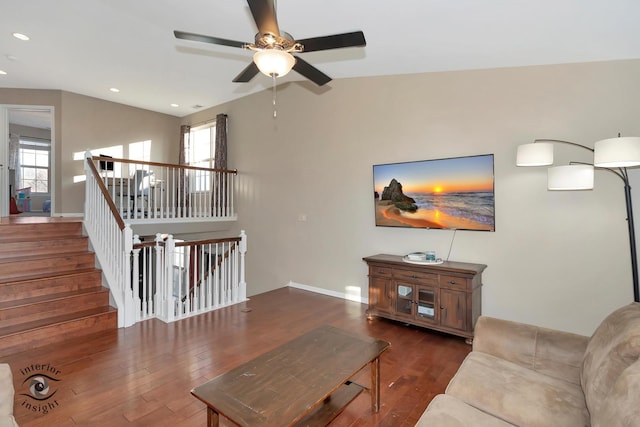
(209, 241)
(111, 159)
(105, 193)
(189, 243)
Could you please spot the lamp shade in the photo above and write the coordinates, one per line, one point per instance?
(535, 154)
(570, 177)
(274, 62)
(618, 152)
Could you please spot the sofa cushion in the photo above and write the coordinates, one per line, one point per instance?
(6, 397)
(612, 349)
(447, 411)
(548, 351)
(516, 394)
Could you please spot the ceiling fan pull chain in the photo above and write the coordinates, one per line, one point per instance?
(275, 113)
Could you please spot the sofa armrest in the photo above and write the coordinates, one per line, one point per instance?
(6, 396)
(555, 353)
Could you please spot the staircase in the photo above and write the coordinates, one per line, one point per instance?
(50, 290)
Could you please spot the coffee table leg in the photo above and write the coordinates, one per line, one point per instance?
(375, 385)
(212, 418)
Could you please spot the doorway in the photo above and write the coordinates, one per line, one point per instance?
(27, 159)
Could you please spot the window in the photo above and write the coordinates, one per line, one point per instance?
(34, 165)
(202, 155)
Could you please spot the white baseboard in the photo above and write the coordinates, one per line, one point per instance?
(327, 292)
(68, 214)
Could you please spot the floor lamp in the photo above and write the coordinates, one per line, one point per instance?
(614, 155)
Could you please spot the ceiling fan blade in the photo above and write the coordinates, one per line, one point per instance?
(311, 72)
(207, 39)
(247, 74)
(336, 41)
(264, 13)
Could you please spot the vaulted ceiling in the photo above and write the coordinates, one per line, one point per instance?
(90, 46)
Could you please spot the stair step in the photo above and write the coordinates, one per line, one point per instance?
(46, 230)
(56, 329)
(89, 278)
(12, 249)
(36, 266)
(50, 288)
(36, 308)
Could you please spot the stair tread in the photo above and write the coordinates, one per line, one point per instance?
(64, 318)
(36, 239)
(39, 276)
(51, 297)
(43, 256)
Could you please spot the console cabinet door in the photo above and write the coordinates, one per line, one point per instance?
(380, 294)
(405, 294)
(427, 304)
(453, 309)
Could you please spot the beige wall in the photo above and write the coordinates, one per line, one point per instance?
(558, 259)
(82, 123)
(90, 123)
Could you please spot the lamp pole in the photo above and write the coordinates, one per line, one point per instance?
(624, 176)
(632, 233)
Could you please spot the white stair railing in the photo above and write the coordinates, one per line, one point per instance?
(112, 242)
(178, 279)
(166, 192)
(167, 279)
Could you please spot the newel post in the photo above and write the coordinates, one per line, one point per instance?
(135, 277)
(126, 283)
(243, 250)
(169, 303)
(87, 158)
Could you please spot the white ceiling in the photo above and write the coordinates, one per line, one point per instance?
(89, 46)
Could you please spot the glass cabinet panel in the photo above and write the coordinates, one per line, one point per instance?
(404, 299)
(426, 303)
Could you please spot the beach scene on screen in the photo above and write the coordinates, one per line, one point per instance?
(454, 193)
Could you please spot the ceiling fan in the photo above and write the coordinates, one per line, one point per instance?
(273, 48)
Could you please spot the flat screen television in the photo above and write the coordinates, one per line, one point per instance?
(454, 193)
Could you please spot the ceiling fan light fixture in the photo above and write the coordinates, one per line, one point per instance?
(274, 62)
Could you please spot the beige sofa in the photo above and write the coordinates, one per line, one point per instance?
(6, 397)
(523, 375)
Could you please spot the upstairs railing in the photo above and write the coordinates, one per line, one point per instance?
(168, 279)
(162, 191)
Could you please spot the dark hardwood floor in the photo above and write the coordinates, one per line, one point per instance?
(143, 375)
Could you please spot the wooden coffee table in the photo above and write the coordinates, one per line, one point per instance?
(302, 382)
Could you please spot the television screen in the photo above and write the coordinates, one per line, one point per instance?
(455, 193)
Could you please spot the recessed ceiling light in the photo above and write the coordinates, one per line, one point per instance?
(114, 89)
(3, 72)
(175, 105)
(21, 36)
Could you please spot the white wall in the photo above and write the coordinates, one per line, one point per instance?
(557, 259)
